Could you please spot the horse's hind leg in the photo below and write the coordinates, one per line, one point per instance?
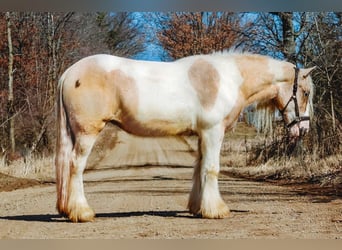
(78, 209)
(205, 199)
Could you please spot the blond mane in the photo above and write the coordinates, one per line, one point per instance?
(262, 117)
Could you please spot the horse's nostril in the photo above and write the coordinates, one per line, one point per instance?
(303, 131)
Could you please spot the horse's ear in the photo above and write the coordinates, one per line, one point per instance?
(307, 72)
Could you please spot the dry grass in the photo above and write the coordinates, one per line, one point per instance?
(38, 168)
(324, 171)
(243, 154)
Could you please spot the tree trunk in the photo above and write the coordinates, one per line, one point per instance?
(10, 103)
(289, 39)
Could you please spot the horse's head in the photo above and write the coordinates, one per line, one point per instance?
(294, 100)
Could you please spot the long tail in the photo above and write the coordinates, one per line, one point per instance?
(64, 146)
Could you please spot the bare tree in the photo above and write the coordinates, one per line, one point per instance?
(325, 50)
(37, 62)
(38, 47)
(10, 100)
(191, 33)
(280, 34)
(123, 34)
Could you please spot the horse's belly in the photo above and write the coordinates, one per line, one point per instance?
(155, 127)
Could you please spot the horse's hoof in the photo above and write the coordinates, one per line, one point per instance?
(83, 214)
(218, 212)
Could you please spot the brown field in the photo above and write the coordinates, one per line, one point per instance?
(139, 189)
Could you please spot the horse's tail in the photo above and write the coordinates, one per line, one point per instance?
(64, 147)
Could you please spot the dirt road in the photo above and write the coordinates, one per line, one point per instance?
(150, 202)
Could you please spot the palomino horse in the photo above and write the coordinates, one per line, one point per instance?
(201, 94)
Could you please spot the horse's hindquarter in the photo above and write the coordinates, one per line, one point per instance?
(88, 95)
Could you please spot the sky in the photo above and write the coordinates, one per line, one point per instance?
(153, 51)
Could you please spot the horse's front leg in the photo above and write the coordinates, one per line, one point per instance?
(205, 199)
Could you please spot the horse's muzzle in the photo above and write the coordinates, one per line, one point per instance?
(300, 128)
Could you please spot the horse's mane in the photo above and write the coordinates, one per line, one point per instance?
(238, 52)
(223, 53)
(263, 116)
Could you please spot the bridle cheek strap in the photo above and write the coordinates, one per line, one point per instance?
(293, 98)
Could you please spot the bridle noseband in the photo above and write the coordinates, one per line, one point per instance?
(293, 98)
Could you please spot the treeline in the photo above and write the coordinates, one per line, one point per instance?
(37, 47)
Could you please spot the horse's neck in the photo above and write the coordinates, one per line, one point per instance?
(258, 87)
(267, 92)
(259, 75)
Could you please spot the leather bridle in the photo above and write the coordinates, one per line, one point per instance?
(293, 98)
